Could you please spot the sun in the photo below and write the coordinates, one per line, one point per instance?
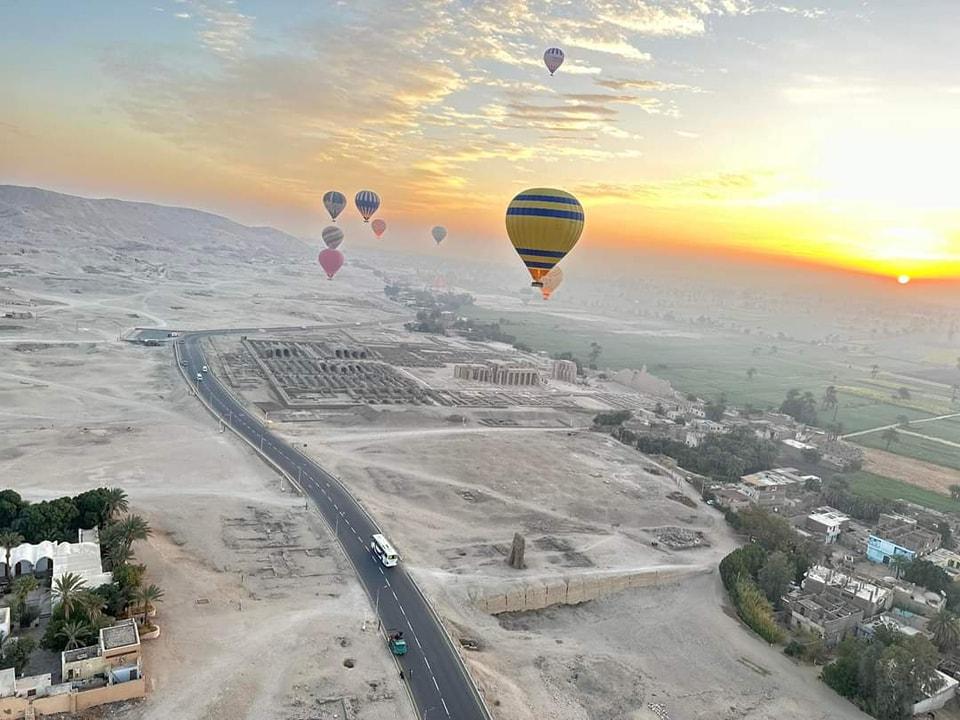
(903, 279)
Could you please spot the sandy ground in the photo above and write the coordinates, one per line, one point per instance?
(260, 608)
(451, 500)
(78, 410)
(916, 472)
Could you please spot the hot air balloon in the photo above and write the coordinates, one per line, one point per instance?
(367, 202)
(378, 226)
(334, 202)
(330, 260)
(551, 281)
(439, 232)
(332, 237)
(553, 59)
(543, 224)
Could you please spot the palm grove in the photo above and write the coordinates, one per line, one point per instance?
(79, 612)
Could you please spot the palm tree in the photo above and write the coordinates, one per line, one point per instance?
(945, 629)
(131, 528)
(830, 400)
(8, 541)
(92, 605)
(890, 435)
(73, 633)
(955, 492)
(874, 371)
(144, 597)
(899, 563)
(119, 555)
(115, 501)
(67, 590)
(22, 587)
(751, 372)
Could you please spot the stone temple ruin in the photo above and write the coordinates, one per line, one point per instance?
(316, 374)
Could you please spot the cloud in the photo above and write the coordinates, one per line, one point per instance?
(726, 188)
(224, 30)
(686, 134)
(620, 47)
(815, 90)
(651, 85)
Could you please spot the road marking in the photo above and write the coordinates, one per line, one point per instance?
(445, 706)
(434, 678)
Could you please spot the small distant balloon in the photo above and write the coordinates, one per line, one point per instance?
(367, 202)
(553, 59)
(439, 232)
(331, 260)
(378, 226)
(543, 225)
(551, 281)
(332, 236)
(334, 202)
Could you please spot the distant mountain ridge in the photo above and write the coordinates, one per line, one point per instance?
(42, 220)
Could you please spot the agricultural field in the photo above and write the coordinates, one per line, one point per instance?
(948, 429)
(915, 447)
(870, 485)
(708, 362)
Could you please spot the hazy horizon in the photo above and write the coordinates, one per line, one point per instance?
(813, 132)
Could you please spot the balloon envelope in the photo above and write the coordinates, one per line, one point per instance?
(543, 224)
(378, 226)
(551, 281)
(330, 260)
(367, 202)
(332, 237)
(553, 59)
(334, 202)
(439, 233)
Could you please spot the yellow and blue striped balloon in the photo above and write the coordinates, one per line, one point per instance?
(543, 224)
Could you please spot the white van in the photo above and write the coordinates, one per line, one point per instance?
(383, 550)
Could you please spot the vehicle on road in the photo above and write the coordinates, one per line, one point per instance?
(183, 363)
(383, 550)
(398, 646)
(199, 377)
(204, 369)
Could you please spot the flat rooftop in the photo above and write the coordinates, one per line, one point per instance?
(122, 634)
(828, 516)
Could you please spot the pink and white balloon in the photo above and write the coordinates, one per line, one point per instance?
(379, 226)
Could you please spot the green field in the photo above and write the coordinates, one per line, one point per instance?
(945, 429)
(877, 486)
(709, 363)
(914, 447)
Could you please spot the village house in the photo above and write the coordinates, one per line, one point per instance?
(826, 524)
(900, 536)
(107, 672)
(827, 613)
(864, 593)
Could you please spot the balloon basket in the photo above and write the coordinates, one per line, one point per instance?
(536, 283)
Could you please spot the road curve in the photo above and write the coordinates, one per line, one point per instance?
(433, 669)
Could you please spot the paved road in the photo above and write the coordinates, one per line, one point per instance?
(433, 669)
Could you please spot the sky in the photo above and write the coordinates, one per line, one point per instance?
(817, 132)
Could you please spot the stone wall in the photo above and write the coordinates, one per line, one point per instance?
(14, 708)
(538, 593)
